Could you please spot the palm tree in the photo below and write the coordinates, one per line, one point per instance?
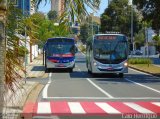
(3, 8)
(76, 8)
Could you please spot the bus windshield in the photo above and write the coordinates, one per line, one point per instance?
(110, 49)
(58, 47)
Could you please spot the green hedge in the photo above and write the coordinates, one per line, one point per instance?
(139, 61)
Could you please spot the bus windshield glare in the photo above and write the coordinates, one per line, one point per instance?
(110, 49)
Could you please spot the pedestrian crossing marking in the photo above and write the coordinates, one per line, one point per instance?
(138, 108)
(65, 108)
(107, 108)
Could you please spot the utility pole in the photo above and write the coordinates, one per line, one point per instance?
(132, 41)
(3, 9)
(25, 54)
(92, 23)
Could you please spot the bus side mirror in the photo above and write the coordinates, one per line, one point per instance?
(76, 49)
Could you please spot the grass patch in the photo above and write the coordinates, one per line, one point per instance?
(144, 67)
(140, 61)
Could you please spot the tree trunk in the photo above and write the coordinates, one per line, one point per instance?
(2, 68)
(3, 8)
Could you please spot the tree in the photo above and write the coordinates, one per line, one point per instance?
(3, 9)
(76, 8)
(52, 15)
(139, 39)
(117, 17)
(84, 32)
(156, 38)
(150, 10)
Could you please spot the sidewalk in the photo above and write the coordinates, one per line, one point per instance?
(36, 68)
(14, 101)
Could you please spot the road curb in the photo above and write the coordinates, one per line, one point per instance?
(144, 71)
(25, 98)
(32, 96)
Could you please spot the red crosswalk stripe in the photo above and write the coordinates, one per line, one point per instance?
(89, 108)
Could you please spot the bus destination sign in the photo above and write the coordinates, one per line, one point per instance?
(106, 37)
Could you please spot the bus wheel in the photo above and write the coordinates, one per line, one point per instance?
(71, 70)
(121, 75)
(46, 70)
(89, 71)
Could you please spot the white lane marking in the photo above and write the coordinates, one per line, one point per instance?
(44, 108)
(143, 73)
(137, 84)
(45, 90)
(143, 86)
(100, 89)
(76, 108)
(106, 98)
(107, 108)
(138, 108)
(156, 103)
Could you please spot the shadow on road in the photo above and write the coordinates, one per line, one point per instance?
(58, 71)
(38, 68)
(140, 78)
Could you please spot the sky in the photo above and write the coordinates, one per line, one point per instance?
(46, 8)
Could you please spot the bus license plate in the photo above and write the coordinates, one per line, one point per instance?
(61, 65)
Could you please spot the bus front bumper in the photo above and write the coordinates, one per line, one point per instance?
(50, 64)
(114, 68)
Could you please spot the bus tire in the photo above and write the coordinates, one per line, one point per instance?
(70, 69)
(46, 70)
(89, 72)
(121, 75)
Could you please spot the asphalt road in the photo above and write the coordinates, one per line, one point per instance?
(81, 87)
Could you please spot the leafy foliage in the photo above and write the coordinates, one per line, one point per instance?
(76, 8)
(52, 15)
(13, 62)
(150, 10)
(84, 32)
(15, 44)
(139, 38)
(117, 17)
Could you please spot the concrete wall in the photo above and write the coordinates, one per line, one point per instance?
(34, 51)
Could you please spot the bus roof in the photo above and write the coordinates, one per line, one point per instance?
(118, 34)
(60, 38)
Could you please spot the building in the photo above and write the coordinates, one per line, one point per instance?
(32, 7)
(24, 5)
(58, 5)
(27, 6)
(95, 18)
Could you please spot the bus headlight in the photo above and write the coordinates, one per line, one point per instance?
(94, 63)
(125, 64)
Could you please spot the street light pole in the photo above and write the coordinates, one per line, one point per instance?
(132, 41)
(25, 55)
(92, 23)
